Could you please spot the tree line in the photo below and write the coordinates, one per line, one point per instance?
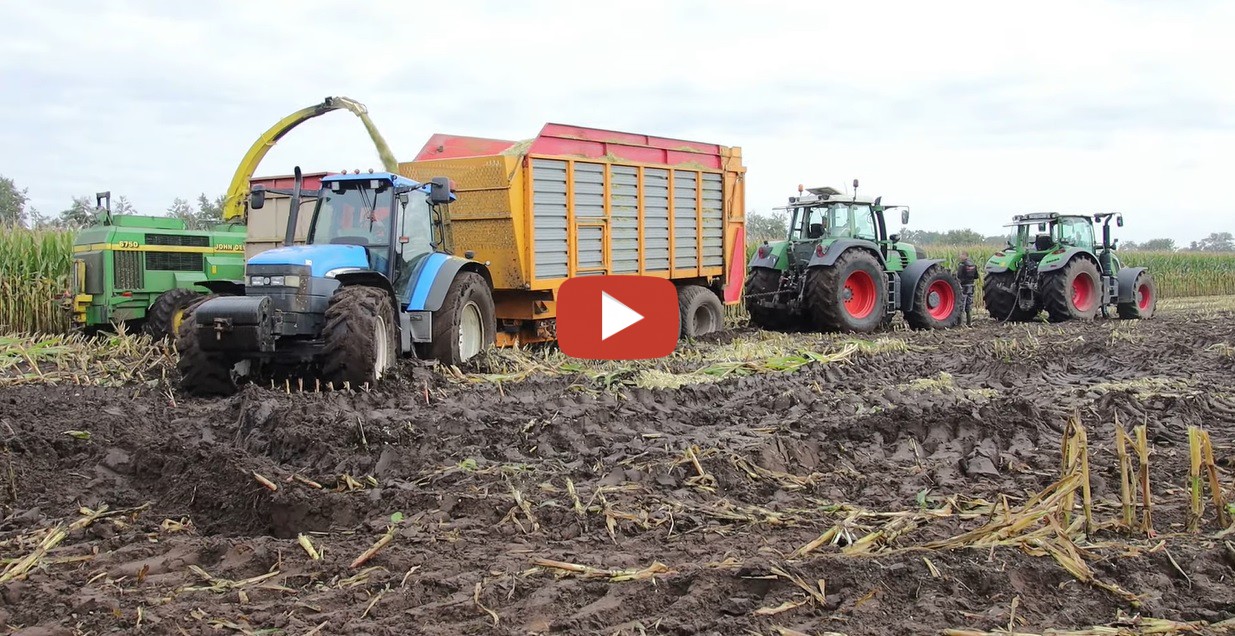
(774, 226)
(82, 211)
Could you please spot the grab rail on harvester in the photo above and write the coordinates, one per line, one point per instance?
(236, 202)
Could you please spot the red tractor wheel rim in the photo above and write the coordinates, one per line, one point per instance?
(1083, 292)
(859, 295)
(940, 300)
(1144, 296)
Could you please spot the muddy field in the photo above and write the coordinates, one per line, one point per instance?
(880, 486)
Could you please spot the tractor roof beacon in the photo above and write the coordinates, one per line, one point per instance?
(1052, 262)
(840, 269)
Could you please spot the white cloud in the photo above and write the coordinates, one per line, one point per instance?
(968, 111)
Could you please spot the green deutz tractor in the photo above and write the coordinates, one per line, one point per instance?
(143, 271)
(1052, 263)
(840, 270)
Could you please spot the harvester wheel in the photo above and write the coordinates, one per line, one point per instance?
(201, 372)
(936, 301)
(167, 312)
(999, 296)
(851, 295)
(700, 311)
(360, 337)
(1144, 298)
(466, 324)
(1074, 292)
(762, 280)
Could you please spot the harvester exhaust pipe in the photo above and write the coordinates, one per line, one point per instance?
(292, 214)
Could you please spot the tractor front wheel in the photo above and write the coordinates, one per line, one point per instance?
(360, 337)
(1144, 298)
(201, 372)
(999, 295)
(1074, 292)
(850, 295)
(761, 281)
(466, 324)
(936, 301)
(167, 312)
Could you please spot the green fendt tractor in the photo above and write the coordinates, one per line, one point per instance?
(840, 270)
(143, 271)
(1052, 263)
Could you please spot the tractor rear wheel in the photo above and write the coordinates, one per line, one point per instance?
(201, 372)
(466, 324)
(1144, 298)
(763, 280)
(999, 294)
(167, 312)
(936, 301)
(360, 337)
(850, 295)
(1074, 292)
(700, 311)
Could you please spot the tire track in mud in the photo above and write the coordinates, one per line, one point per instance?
(717, 481)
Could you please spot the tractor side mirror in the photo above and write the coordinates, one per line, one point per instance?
(855, 184)
(1119, 220)
(895, 238)
(257, 198)
(905, 216)
(439, 190)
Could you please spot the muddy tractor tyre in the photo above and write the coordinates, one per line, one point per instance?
(762, 280)
(700, 311)
(360, 340)
(466, 324)
(937, 302)
(999, 297)
(167, 312)
(1144, 299)
(851, 295)
(1073, 292)
(202, 373)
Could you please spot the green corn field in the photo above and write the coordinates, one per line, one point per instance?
(34, 269)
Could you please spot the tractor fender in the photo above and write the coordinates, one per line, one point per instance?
(1067, 257)
(368, 279)
(1127, 280)
(911, 277)
(840, 246)
(433, 277)
(768, 261)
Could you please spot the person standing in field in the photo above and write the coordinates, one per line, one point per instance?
(967, 274)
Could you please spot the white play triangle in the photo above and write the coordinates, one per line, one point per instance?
(615, 316)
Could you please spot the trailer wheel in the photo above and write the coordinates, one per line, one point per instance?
(359, 337)
(466, 324)
(1144, 298)
(202, 373)
(849, 295)
(167, 312)
(936, 301)
(700, 311)
(1074, 292)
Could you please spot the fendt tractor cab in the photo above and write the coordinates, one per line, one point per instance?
(371, 283)
(840, 270)
(140, 270)
(1052, 262)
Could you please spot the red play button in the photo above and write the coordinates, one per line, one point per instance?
(617, 317)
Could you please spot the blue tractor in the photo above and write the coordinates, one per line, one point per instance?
(373, 282)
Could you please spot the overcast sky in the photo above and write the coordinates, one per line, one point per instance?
(967, 111)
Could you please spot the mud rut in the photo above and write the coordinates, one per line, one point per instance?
(555, 508)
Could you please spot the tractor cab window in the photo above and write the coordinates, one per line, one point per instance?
(415, 238)
(864, 222)
(354, 216)
(1076, 233)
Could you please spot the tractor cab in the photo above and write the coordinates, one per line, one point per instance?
(826, 215)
